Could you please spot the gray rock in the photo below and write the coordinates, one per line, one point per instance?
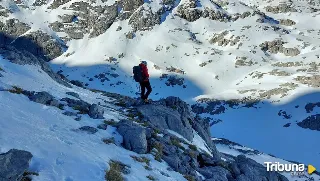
(103, 23)
(252, 170)
(134, 136)
(276, 46)
(312, 122)
(88, 129)
(69, 113)
(215, 173)
(13, 164)
(76, 83)
(73, 94)
(40, 44)
(40, 2)
(14, 27)
(144, 18)
(312, 81)
(174, 80)
(96, 112)
(166, 118)
(287, 22)
(56, 3)
(189, 14)
(202, 127)
(102, 126)
(44, 98)
(131, 5)
(290, 51)
(281, 8)
(79, 105)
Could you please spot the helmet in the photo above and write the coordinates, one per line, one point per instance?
(144, 62)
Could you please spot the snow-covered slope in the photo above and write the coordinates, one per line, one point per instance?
(212, 50)
(60, 151)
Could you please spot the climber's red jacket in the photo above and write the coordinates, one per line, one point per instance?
(145, 73)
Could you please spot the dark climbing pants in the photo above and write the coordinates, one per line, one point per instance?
(145, 85)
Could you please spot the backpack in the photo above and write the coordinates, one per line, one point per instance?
(137, 73)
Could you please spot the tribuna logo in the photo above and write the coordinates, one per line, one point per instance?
(279, 167)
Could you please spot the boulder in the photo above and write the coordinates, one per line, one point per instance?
(44, 98)
(167, 118)
(251, 170)
(79, 105)
(96, 112)
(215, 173)
(13, 164)
(134, 136)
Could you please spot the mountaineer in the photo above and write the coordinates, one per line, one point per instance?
(141, 75)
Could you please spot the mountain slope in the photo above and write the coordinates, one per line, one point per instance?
(251, 66)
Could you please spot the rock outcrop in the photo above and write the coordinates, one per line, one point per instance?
(276, 46)
(312, 122)
(134, 136)
(13, 164)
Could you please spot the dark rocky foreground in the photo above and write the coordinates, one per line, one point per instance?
(146, 132)
(13, 164)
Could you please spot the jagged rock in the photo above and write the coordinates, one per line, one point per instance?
(14, 27)
(79, 105)
(96, 112)
(312, 122)
(131, 5)
(88, 129)
(215, 173)
(73, 94)
(202, 127)
(251, 170)
(77, 83)
(57, 26)
(39, 44)
(245, 14)
(56, 3)
(39, 2)
(103, 23)
(144, 18)
(215, 15)
(290, 51)
(281, 8)
(189, 14)
(287, 22)
(312, 81)
(276, 46)
(44, 98)
(13, 164)
(134, 136)
(174, 80)
(167, 118)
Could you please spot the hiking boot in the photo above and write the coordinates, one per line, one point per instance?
(146, 101)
